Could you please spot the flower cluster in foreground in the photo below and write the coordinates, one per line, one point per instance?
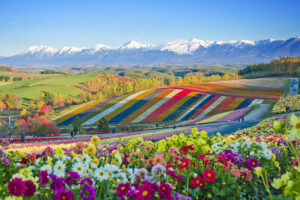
(184, 166)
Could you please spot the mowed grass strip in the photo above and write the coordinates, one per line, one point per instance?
(127, 105)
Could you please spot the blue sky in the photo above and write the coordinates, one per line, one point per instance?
(85, 23)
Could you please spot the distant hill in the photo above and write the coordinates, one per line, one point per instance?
(132, 53)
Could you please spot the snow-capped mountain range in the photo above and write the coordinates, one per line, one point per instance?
(192, 51)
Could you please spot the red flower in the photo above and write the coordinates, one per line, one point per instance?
(32, 157)
(203, 158)
(198, 182)
(185, 148)
(185, 163)
(165, 190)
(122, 189)
(145, 191)
(209, 175)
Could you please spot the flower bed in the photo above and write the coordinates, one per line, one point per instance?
(293, 102)
(245, 165)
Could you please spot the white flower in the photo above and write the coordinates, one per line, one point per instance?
(79, 168)
(118, 157)
(37, 162)
(31, 167)
(111, 168)
(252, 153)
(100, 174)
(123, 177)
(59, 168)
(267, 154)
(47, 168)
(86, 159)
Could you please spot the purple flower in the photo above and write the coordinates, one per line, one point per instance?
(16, 187)
(73, 178)
(57, 183)
(235, 158)
(88, 193)
(181, 197)
(142, 173)
(157, 170)
(86, 181)
(6, 161)
(30, 188)
(227, 153)
(43, 177)
(251, 163)
(62, 194)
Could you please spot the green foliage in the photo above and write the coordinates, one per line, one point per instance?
(103, 125)
(47, 97)
(76, 125)
(285, 66)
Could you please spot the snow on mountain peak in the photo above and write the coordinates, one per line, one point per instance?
(186, 46)
(70, 50)
(41, 49)
(134, 45)
(99, 47)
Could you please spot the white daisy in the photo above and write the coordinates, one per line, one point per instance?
(79, 168)
(59, 168)
(267, 154)
(111, 168)
(37, 162)
(100, 174)
(47, 168)
(118, 157)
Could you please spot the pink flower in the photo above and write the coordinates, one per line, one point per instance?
(30, 188)
(198, 182)
(209, 175)
(185, 163)
(165, 190)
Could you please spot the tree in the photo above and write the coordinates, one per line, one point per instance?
(76, 124)
(103, 125)
(38, 126)
(47, 97)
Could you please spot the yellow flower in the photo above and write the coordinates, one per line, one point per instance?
(95, 140)
(276, 183)
(115, 162)
(13, 198)
(295, 132)
(59, 152)
(276, 125)
(194, 130)
(273, 157)
(96, 161)
(49, 161)
(91, 150)
(276, 163)
(258, 171)
(203, 134)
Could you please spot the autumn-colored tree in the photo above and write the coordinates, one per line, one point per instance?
(24, 112)
(38, 126)
(12, 101)
(32, 105)
(40, 104)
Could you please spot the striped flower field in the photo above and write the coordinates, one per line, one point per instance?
(195, 103)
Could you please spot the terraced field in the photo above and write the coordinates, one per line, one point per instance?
(190, 104)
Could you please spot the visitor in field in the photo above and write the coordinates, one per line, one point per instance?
(22, 138)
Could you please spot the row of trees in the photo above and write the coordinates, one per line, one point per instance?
(284, 66)
(109, 85)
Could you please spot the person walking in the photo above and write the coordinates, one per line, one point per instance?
(22, 138)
